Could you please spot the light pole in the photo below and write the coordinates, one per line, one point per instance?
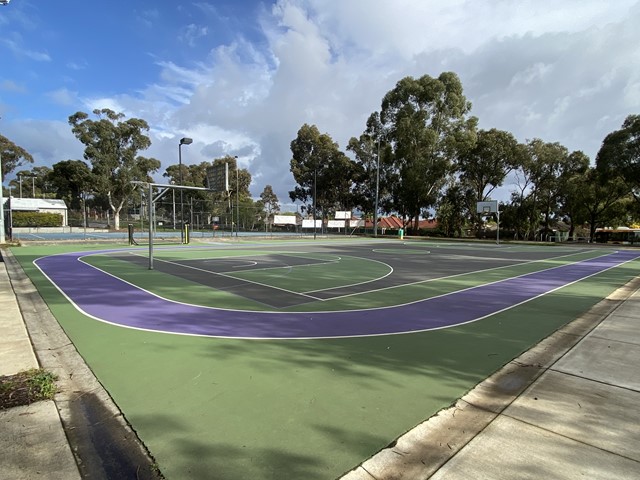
(183, 141)
(173, 193)
(375, 213)
(33, 184)
(315, 181)
(2, 239)
(84, 212)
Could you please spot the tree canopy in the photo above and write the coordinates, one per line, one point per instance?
(319, 165)
(619, 155)
(426, 121)
(111, 146)
(71, 179)
(421, 154)
(12, 156)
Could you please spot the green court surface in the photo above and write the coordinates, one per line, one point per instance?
(277, 409)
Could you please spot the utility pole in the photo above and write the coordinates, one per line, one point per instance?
(375, 212)
(315, 181)
(183, 141)
(237, 201)
(2, 239)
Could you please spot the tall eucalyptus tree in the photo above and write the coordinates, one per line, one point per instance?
(111, 146)
(427, 124)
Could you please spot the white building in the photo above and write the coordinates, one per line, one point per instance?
(41, 205)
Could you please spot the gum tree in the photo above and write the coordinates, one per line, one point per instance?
(12, 156)
(269, 203)
(484, 166)
(371, 159)
(427, 125)
(111, 146)
(598, 200)
(317, 159)
(71, 180)
(619, 155)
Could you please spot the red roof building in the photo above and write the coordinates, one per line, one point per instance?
(394, 223)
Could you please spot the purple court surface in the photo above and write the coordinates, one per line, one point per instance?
(92, 291)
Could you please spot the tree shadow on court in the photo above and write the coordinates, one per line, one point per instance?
(458, 354)
(209, 455)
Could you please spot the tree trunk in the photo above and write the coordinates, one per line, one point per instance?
(592, 228)
(116, 212)
(116, 217)
(572, 227)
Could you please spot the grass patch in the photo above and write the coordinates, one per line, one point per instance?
(26, 387)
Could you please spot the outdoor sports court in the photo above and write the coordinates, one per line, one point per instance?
(301, 358)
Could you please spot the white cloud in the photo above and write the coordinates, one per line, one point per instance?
(63, 97)
(15, 44)
(148, 17)
(110, 103)
(534, 73)
(330, 64)
(11, 86)
(561, 71)
(47, 141)
(192, 33)
(77, 65)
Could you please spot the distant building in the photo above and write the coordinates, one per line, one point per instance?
(393, 222)
(40, 205)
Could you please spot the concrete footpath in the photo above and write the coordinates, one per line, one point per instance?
(32, 441)
(568, 408)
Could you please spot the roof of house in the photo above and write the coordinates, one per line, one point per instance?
(393, 223)
(35, 204)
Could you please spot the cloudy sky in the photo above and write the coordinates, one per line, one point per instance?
(241, 77)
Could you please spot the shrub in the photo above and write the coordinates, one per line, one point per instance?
(36, 219)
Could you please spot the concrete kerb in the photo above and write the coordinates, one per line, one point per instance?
(103, 443)
(422, 451)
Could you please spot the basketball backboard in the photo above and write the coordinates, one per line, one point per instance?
(487, 207)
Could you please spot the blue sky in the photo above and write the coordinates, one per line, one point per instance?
(241, 77)
(75, 47)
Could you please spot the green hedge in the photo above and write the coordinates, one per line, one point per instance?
(36, 219)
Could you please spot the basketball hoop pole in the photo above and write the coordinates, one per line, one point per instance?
(315, 181)
(150, 206)
(151, 202)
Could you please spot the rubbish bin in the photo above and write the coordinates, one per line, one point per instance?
(401, 233)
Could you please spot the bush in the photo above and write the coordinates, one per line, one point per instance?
(36, 219)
